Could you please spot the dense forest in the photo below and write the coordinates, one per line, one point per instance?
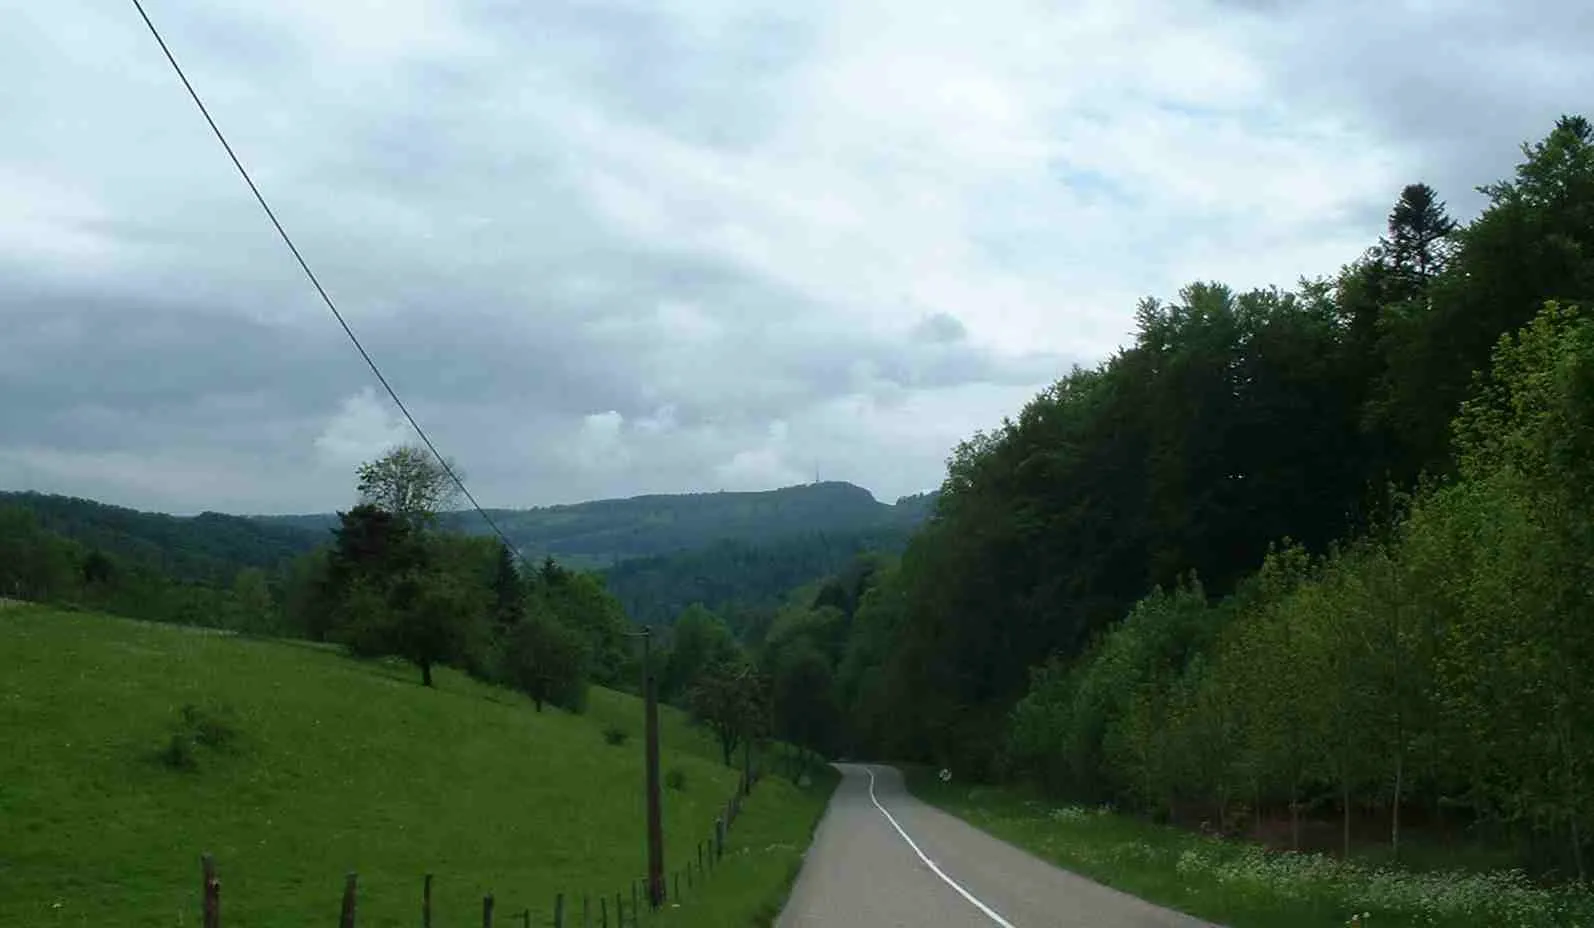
(744, 582)
(1321, 553)
(210, 547)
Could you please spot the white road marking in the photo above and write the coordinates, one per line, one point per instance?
(989, 912)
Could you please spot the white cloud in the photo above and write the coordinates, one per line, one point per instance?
(362, 429)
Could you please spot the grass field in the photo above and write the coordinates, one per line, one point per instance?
(334, 765)
(1243, 886)
(762, 856)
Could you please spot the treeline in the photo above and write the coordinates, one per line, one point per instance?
(1440, 670)
(42, 565)
(388, 582)
(1095, 605)
(209, 548)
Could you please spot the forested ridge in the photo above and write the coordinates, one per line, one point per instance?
(208, 547)
(603, 533)
(1322, 553)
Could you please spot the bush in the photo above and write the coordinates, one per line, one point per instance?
(179, 754)
(207, 727)
(615, 735)
(675, 779)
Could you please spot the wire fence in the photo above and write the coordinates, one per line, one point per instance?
(628, 906)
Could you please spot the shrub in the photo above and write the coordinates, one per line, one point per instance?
(675, 779)
(614, 734)
(207, 727)
(178, 754)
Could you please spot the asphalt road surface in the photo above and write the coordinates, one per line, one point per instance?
(883, 858)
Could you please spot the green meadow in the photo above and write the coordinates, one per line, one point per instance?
(130, 749)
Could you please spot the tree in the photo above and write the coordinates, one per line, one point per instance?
(509, 606)
(578, 601)
(408, 482)
(254, 609)
(805, 710)
(1419, 234)
(731, 699)
(432, 616)
(547, 661)
(698, 642)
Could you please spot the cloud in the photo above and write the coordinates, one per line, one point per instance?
(614, 248)
(362, 429)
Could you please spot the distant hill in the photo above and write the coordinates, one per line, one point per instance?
(210, 546)
(603, 533)
(732, 577)
(659, 553)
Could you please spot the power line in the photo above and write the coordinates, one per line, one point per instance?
(315, 282)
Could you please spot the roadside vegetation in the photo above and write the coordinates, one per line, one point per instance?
(763, 856)
(1244, 885)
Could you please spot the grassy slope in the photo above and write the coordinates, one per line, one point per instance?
(340, 765)
(1242, 886)
(762, 856)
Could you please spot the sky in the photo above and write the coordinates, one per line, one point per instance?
(611, 247)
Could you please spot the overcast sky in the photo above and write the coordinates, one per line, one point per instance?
(613, 247)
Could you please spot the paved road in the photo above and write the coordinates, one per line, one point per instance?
(863, 872)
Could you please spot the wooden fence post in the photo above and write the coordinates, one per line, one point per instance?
(487, 911)
(426, 903)
(700, 856)
(719, 838)
(559, 910)
(212, 894)
(346, 920)
(603, 911)
(619, 911)
(525, 919)
(586, 912)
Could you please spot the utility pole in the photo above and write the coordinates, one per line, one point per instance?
(650, 697)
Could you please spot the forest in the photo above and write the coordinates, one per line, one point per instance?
(1307, 556)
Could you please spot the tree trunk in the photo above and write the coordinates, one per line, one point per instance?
(1394, 816)
(1256, 806)
(1295, 815)
(1344, 798)
(1577, 850)
(426, 673)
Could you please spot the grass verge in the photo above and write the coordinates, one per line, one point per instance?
(1244, 885)
(131, 748)
(763, 854)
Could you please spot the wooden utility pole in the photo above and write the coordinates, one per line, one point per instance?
(650, 698)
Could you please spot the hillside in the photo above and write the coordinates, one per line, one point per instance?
(333, 765)
(206, 547)
(603, 532)
(737, 576)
